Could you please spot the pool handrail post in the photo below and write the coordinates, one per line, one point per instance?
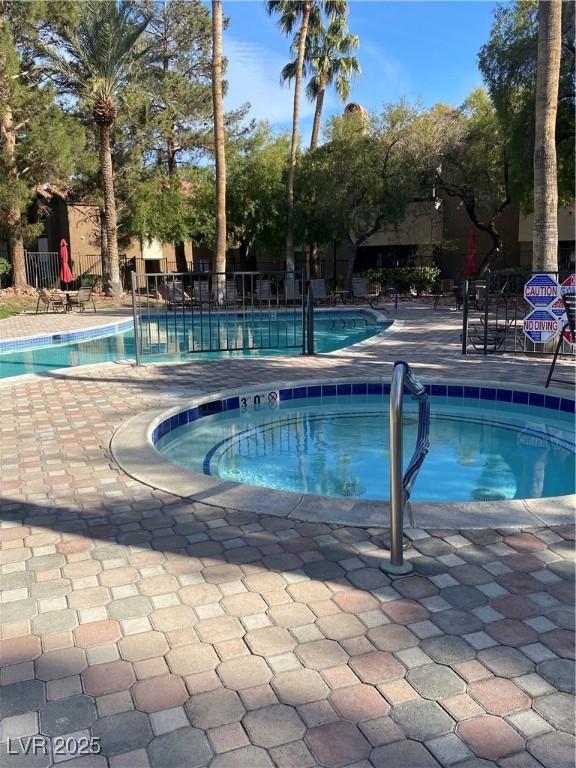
(399, 485)
(465, 319)
(135, 318)
(309, 320)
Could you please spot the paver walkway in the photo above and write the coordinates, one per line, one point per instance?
(182, 635)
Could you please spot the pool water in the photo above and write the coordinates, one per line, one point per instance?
(168, 339)
(340, 449)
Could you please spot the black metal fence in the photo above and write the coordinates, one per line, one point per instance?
(494, 309)
(202, 312)
(42, 269)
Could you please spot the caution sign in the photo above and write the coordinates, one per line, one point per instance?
(541, 326)
(541, 290)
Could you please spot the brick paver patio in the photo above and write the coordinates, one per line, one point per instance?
(183, 635)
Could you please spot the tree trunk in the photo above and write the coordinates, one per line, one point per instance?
(14, 214)
(112, 284)
(219, 148)
(312, 266)
(545, 237)
(180, 255)
(317, 116)
(104, 247)
(290, 259)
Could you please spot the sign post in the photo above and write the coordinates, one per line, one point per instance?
(568, 286)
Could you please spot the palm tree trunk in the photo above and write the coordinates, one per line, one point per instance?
(219, 148)
(290, 259)
(545, 237)
(112, 283)
(312, 266)
(14, 214)
(317, 116)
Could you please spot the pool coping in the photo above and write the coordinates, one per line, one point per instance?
(133, 450)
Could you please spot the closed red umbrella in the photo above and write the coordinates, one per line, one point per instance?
(470, 266)
(66, 275)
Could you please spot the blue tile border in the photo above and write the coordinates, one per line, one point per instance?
(64, 337)
(370, 388)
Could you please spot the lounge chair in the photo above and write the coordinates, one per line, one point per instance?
(360, 290)
(292, 290)
(201, 293)
(83, 297)
(51, 300)
(174, 296)
(230, 293)
(264, 290)
(320, 293)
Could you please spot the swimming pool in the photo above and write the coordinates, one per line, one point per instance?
(168, 338)
(319, 451)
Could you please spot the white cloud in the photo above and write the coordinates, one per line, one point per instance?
(253, 75)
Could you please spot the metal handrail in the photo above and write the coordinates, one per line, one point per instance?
(401, 484)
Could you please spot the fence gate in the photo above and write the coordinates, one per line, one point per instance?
(42, 269)
(179, 314)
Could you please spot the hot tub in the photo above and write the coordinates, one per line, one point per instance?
(319, 450)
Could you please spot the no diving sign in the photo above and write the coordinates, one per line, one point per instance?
(540, 326)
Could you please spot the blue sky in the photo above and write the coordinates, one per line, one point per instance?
(422, 50)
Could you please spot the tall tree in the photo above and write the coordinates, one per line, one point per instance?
(257, 185)
(545, 238)
(29, 154)
(291, 13)
(473, 163)
(219, 141)
(365, 174)
(508, 63)
(328, 58)
(94, 61)
(177, 93)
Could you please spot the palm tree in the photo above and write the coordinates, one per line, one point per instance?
(545, 238)
(292, 13)
(328, 56)
(219, 150)
(94, 61)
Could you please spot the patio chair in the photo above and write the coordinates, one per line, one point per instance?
(360, 290)
(569, 301)
(292, 289)
(83, 297)
(51, 300)
(320, 292)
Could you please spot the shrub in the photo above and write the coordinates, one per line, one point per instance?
(4, 270)
(404, 279)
